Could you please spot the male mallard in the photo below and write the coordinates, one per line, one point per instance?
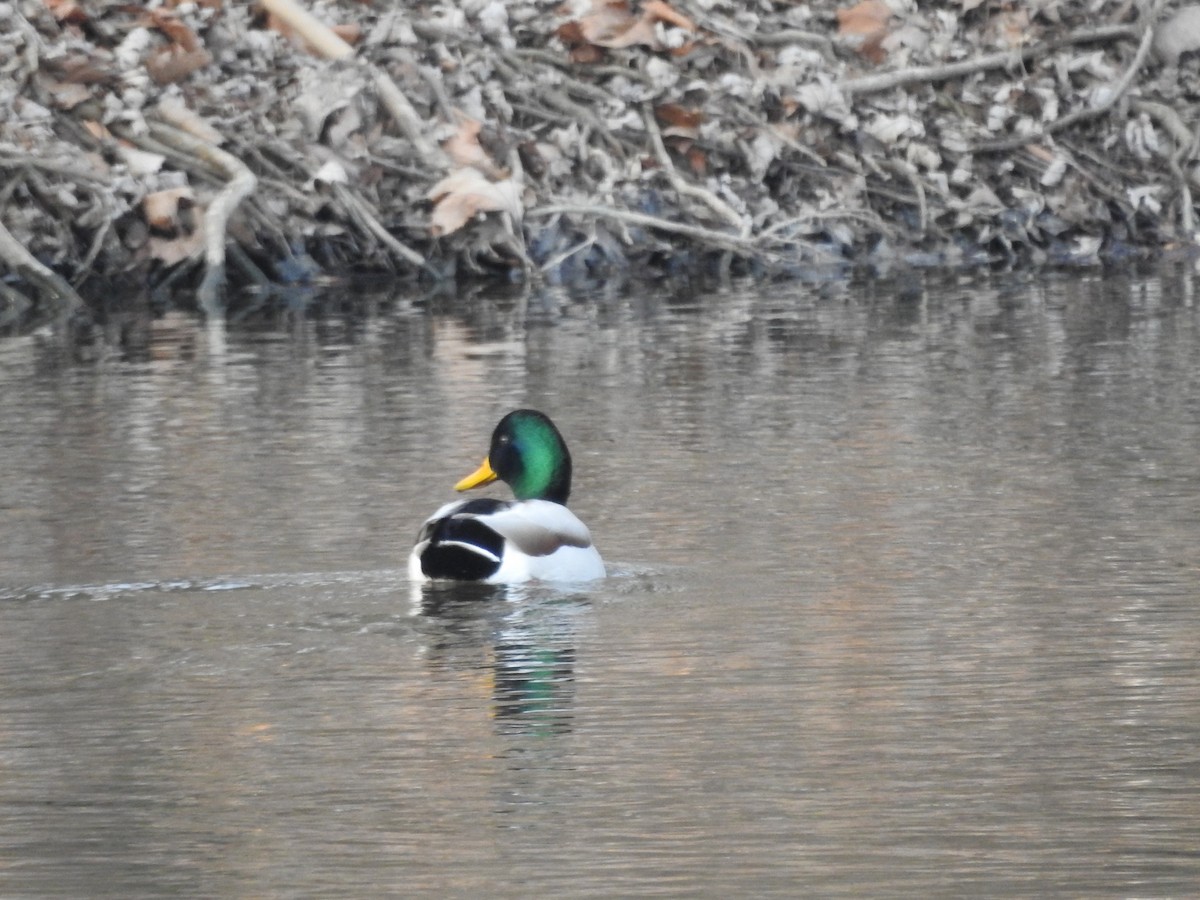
(498, 542)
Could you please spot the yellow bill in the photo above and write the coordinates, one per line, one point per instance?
(482, 475)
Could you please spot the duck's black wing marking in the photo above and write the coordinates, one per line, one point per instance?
(458, 544)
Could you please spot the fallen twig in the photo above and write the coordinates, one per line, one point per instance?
(328, 44)
(1168, 119)
(746, 245)
(14, 254)
(906, 171)
(1108, 101)
(361, 210)
(705, 235)
(793, 36)
(868, 217)
(559, 101)
(403, 114)
(240, 183)
(681, 184)
(54, 167)
(1185, 151)
(872, 84)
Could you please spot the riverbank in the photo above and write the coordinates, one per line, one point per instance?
(212, 145)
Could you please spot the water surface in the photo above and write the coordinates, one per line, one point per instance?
(904, 599)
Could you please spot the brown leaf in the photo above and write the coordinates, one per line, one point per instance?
(177, 226)
(78, 68)
(66, 95)
(175, 29)
(865, 25)
(351, 32)
(161, 208)
(679, 120)
(463, 194)
(612, 24)
(872, 48)
(587, 54)
(662, 12)
(864, 18)
(570, 33)
(1010, 28)
(464, 149)
(167, 66)
(607, 20)
(97, 130)
(66, 11)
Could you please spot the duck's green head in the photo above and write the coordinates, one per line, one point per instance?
(529, 455)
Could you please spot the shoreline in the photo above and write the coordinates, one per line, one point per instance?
(215, 146)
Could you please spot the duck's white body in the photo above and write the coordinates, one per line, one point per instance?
(512, 542)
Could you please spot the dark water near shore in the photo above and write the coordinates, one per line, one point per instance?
(905, 600)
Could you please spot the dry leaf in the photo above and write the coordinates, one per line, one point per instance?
(169, 65)
(1178, 35)
(351, 32)
(177, 226)
(66, 11)
(679, 121)
(662, 12)
(176, 31)
(462, 195)
(79, 68)
(865, 25)
(161, 208)
(332, 172)
(612, 24)
(174, 250)
(97, 130)
(586, 54)
(140, 162)
(65, 94)
(608, 19)
(1009, 28)
(865, 18)
(464, 149)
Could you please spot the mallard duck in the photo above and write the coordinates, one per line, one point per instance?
(500, 542)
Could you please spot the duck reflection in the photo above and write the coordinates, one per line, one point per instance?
(522, 638)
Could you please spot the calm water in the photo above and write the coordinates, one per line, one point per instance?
(905, 600)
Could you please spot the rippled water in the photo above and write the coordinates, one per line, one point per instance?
(905, 600)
